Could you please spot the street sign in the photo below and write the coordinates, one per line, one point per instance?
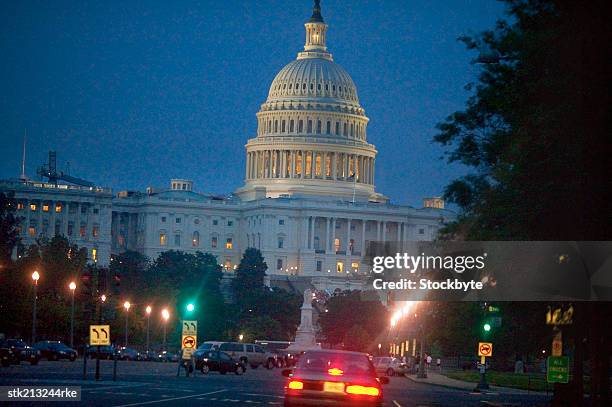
(99, 335)
(189, 342)
(557, 369)
(190, 328)
(485, 349)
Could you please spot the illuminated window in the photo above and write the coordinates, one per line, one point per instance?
(45, 207)
(228, 243)
(308, 162)
(94, 254)
(228, 264)
(339, 267)
(327, 165)
(318, 165)
(213, 242)
(355, 266)
(162, 239)
(32, 231)
(83, 230)
(195, 240)
(20, 206)
(32, 207)
(95, 230)
(58, 208)
(337, 244)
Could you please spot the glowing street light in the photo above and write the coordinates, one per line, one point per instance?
(165, 316)
(35, 277)
(72, 287)
(240, 337)
(148, 310)
(127, 306)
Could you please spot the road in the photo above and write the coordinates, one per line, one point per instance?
(156, 384)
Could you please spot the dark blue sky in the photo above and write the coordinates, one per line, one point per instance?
(134, 93)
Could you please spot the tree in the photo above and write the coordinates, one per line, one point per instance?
(9, 233)
(348, 309)
(357, 339)
(534, 128)
(129, 270)
(249, 281)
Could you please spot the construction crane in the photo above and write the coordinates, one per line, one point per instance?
(50, 171)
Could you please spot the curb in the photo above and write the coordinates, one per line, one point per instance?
(494, 389)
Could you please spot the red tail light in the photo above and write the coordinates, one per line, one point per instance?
(334, 371)
(295, 385)
(363, 390)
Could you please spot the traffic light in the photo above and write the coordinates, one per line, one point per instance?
(486, 327)
(190, 307)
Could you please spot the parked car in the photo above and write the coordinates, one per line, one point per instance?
(105, 352)
(149, 355)
(390, 366)
(6, 356)
(55, 350)
(278, 351)
(248, 354)
(166, 356)
(21, 351)
(217, 361)
(333, 377)
(124, 353)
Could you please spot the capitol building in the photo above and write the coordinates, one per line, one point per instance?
(309, 199)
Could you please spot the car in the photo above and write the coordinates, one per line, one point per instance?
(124, 353)
(104, 352)
(6, 356)
(55, 350)
(205, 347)
(390, 366)
(166, 356)
(277, 349)
(21, 351)
(217, 361)
(333, 377)
(148, 355)
(248, 354)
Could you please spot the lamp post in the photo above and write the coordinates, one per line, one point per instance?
(165, 316)
(72, 287)
(240, 337)
(127, 306)
(149, 309)
(35, 277)
(100, 313)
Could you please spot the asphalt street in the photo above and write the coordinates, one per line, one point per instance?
(156, 384)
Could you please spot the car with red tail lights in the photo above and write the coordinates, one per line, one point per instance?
(333, 378)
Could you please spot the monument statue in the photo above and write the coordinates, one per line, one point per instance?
(305, 334)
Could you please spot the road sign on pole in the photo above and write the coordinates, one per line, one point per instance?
(485, 349)
(190, 328)
(99, 335)
(557, 345)
(557, 369)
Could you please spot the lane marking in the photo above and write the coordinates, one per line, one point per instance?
(396, 404)
(171, 399)
(94, 389)
(263, 395)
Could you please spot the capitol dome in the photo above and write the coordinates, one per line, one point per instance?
(311, 134)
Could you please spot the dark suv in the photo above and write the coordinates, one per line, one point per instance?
(55, 350)
(21, 351)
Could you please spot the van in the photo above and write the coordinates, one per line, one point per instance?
(248, 353)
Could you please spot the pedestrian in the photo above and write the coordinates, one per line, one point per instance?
(439, 364)
(428, 361)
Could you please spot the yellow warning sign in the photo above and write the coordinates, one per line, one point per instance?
(99, 335)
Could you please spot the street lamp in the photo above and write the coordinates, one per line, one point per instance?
(127, 306)
(35, 277)
(165, 316)
(240, 337)
(149, 309)
(72, 287)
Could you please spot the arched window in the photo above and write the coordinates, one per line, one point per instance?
(283, 126)
(291, 127)
(318, 126)
(309, 129)
(195, 239)
(275, 126)
(300, 126)
(328, 127)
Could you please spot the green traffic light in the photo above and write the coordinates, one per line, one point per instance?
(486, 327)
(190, 307)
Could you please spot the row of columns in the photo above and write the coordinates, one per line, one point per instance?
(400, 235)
(63, 217)
(310, 164)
